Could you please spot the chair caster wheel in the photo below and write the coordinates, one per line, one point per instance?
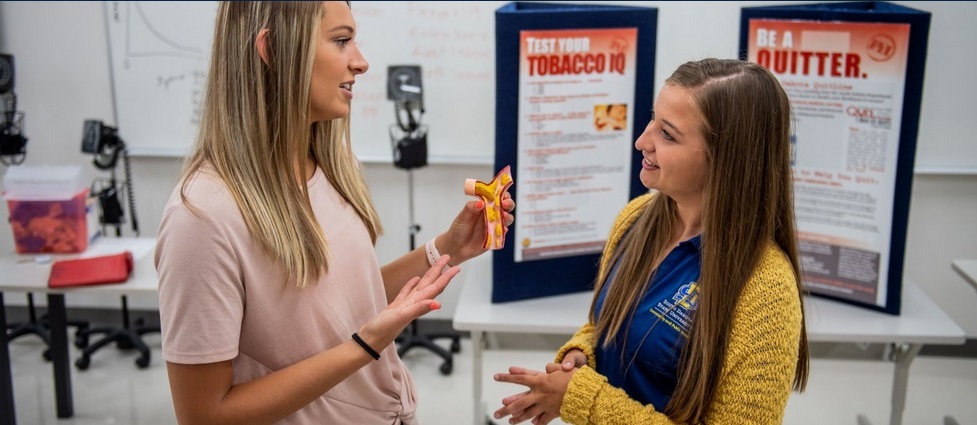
(47, 354)
(446, 368)
(82, 363)
(455, 346)
(142, 362)
(81, 343)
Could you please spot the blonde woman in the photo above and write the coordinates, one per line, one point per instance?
(697, 316)
(273, 306)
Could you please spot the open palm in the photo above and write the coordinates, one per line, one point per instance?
(415, 299)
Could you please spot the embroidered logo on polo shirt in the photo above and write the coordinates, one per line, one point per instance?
(687, 296)
(677, 310)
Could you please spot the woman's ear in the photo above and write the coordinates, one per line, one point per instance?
(261, 42)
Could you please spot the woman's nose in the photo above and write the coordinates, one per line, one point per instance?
(644, 142)
(358, 65)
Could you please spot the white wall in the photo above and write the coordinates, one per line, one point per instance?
(62, 79)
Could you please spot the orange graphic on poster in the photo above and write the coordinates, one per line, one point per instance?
(492, 193)
(611, 117)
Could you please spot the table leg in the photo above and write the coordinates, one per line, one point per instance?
(903, 357)
(7, 416)
(492, 340)
(59, 355)
(477, 377)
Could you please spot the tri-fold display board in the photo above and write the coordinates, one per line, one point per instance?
(574, 89)
(854, 74)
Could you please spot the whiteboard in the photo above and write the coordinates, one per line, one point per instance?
(158, 54)
(160, 51)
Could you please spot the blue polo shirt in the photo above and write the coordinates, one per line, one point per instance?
(658, 331)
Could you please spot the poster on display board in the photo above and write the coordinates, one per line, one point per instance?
(854, 74)
(573, 145)
(574, 90)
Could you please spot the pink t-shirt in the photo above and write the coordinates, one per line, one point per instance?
(222, 298)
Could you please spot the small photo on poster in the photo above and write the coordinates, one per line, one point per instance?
(613, 117)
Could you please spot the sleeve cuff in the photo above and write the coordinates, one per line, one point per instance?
(583, 341)
(587, 351)
(581, 395)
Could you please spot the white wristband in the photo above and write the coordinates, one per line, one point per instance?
(432, 254)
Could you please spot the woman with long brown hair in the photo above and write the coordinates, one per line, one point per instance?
(697, 315)
(273, 306)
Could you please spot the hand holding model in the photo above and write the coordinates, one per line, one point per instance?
(493, 194)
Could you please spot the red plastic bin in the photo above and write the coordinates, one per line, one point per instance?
(59, 226)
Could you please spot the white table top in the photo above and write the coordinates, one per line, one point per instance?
(19, 273)
(561, 314)
(967, 269)
(921, 321)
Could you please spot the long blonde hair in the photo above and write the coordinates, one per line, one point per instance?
(748, 202)
(255, 129)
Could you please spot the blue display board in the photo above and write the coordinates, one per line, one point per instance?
(612, 45)
(854, 74)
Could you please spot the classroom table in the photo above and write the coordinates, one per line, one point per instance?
(20, 273)
(967, 269)
(921, 322)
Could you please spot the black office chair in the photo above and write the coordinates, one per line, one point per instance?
(33, 326)
(125, 338)
(411, 338)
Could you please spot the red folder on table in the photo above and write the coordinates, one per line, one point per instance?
(91, 271)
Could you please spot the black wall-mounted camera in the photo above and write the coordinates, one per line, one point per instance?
(13, 144)
(103, 142)
(408, 136)
(411, 152)
(6, 73)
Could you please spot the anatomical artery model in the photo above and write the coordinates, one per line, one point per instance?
(491, 193)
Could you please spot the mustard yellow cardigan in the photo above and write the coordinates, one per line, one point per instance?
(757, 374)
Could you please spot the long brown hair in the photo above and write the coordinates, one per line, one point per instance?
(255, 128)
(748, 202)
